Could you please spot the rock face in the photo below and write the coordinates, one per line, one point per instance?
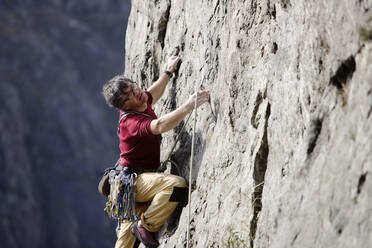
(284, 150)
(57, 134)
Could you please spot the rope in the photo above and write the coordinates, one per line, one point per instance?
(191, 165)
(174, 146)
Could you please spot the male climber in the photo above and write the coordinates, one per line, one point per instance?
(139, 134)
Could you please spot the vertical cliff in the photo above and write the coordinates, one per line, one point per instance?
(284, 150)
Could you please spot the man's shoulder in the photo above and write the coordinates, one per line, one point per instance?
(134, 119)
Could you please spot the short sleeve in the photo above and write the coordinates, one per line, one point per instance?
(144, 127)
(139, 126)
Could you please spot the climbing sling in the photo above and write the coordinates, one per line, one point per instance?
(122, 198)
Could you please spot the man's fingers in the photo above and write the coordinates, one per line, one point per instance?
(199, 98)
(203, 93)
(174, 58)
(202, 97)
(173, 62)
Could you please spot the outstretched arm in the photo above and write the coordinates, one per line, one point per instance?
(157, 88)
(172, 119)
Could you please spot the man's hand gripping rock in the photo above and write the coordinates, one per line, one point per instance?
(200, 98)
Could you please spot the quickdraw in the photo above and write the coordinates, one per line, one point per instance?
(122, 199)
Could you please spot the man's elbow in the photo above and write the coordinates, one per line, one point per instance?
(155, 126)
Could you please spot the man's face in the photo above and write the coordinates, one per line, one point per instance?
(134, 98)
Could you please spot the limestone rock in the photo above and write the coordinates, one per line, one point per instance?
(284, 150)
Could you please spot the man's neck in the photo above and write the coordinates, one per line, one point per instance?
(141, 108)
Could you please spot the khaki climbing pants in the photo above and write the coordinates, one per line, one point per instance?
(157, 188)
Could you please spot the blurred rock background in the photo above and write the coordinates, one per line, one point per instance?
(57, 134)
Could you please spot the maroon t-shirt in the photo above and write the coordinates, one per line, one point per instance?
(139, 147)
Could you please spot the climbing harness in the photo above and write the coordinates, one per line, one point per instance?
(121, 203)
(122, 197)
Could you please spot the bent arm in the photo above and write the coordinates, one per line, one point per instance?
(174, 118)
(157, 89)
(170, 120)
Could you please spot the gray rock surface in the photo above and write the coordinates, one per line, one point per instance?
(284, 150)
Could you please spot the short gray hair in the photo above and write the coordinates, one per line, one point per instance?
(114, 89)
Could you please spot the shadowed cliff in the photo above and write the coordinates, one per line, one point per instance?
(57, 134)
